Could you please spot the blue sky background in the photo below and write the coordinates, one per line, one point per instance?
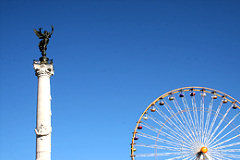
(112, 58)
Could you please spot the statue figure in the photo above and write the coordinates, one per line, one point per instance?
(44, 42)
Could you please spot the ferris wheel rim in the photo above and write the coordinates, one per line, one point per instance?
(179, 90)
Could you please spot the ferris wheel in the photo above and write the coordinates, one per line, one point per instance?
(191, 123)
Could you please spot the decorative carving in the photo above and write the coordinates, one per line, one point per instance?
(43, 69)
(43, 130)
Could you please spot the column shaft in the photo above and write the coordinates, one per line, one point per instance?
(43, 126)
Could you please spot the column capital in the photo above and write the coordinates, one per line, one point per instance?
(43, 69)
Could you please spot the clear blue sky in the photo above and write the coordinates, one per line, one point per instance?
(112, 58)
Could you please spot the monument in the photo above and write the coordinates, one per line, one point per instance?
(43, 70)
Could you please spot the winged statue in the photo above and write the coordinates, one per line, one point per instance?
(45, 39)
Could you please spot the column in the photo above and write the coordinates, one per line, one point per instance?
(43, 126)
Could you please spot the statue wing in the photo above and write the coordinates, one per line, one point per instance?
(52, 30)
(38, 33)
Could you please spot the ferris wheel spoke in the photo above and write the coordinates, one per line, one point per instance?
(229, 145)
(189, 116)
(168, 119)
(198, 120)
(164, 141)
(207, 121)
(173, 115)
(230, 156)
(202, 117)
(157, 139)
(176, 133)
(229, 150)
(226, 141)
(210, 144)
(172, 131)
(191, 158)
(223, 155)
(171, 112)
(215, 155)
(161, 147)
(158, 131)
(158, 154)
(180, 124)
(219, 157)
(195, 116)
(188, 157)
(213, 121)
(183, 117)
(166, 135)
(178, 157)
(211, 137)
(219, 124)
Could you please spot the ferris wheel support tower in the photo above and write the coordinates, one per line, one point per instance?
(43, 70)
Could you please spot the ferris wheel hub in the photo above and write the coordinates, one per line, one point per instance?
(204, 149)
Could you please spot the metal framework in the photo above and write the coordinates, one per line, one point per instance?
(172, 128)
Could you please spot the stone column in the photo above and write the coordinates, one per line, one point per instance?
(43, 127)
